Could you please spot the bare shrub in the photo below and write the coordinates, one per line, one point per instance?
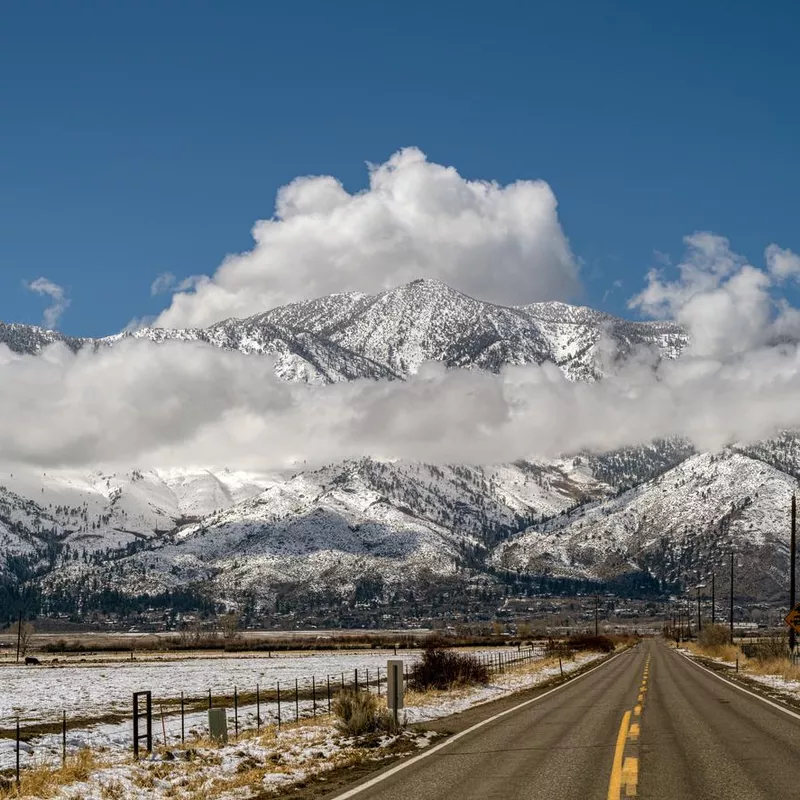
(601, 644)
(714, 636)
(772, 649)
(441, 669)
(358, 713)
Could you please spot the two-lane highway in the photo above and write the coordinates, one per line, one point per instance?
(648, 723)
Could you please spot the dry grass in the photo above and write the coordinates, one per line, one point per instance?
(782, 667)
(779, 666)
(45, 781)
(726, 652)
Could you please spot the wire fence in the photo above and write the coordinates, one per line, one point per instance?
(176, 720)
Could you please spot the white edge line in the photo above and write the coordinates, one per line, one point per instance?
(742, 689)
(404, 764)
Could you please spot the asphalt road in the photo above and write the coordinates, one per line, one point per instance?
(647, 723)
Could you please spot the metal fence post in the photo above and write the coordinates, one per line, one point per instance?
(235, 712)
(183, 721)
(296, 701)
(63, 738)
(313, 697)
(17, 754)
(279, 705)
(329, 694)
(258, 708)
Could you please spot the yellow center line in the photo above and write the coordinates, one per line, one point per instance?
(624, 779)
(630, 775)
(615, 784)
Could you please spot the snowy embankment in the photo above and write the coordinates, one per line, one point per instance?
(265, 759)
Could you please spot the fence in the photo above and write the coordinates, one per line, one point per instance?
(281, 703)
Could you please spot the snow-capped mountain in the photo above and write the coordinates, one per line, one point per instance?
(352, 335)
(660, 508)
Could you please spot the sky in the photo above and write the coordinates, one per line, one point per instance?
(146, 140)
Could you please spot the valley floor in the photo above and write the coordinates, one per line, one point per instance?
(258, 761)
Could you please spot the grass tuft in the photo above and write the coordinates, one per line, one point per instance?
(358, 713)
(45, 781)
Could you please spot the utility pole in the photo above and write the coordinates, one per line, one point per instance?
(19, 634)
(699, 620)
(792, 547)
(731, 617)
(596, 623)
(713, 597)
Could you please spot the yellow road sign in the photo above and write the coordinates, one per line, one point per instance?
(792, 619)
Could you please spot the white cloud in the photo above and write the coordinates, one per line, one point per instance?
(782, 264)
(59, 301)
(178, 403)
(416, 219)
(725, 303)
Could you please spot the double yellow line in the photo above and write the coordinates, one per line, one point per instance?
(625, 770)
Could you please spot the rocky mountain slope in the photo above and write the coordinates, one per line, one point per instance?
(678, 526)
(347, 336)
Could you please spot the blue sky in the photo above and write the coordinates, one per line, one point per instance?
(143, 138)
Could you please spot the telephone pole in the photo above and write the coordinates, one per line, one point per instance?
(713, 597)
(731, 617)
(596, 622)
(792, 547)
(699, 619)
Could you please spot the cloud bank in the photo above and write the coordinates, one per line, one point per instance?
(416, 219)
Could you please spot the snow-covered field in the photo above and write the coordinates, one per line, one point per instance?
(271, 760)
(41, 694)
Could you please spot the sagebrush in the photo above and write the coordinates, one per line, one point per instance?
(600, 643)
(358, 713)
(440, 669)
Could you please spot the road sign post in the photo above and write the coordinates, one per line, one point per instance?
(394, 685)
(792, 619)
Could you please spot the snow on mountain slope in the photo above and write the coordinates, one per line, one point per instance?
(676, 526)
(101, 511)
(334, 525)
(299, 532)
(32, 339)
(387, 336)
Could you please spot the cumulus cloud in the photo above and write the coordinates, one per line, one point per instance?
(725, 303)
(59, 301)
(416, 219)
